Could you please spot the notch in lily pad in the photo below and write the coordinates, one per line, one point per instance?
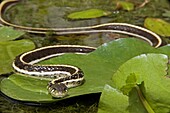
(88, 14)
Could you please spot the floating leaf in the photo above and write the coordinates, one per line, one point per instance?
(8, 33)
(114, 101)
(90, 13)
(20, 90)
(9, 50)
(98, 67)
(126, 5)
(148, 68)
(158, 26)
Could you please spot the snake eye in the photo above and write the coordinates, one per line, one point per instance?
(65, 89)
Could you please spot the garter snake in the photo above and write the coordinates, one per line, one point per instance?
(66, 76)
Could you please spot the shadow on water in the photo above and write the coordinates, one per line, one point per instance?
(85, 103)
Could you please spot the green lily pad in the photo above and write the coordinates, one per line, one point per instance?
(149, 69)
(90, 13)
(20, 88)
(98, 67)
(8, 33)
(9, 50)
(158, 26)
(114, 101)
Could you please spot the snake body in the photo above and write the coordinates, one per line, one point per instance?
(66, 76)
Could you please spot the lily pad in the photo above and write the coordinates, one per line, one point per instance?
(90, 13)
(98, 67)
(149, 69)
(9, 50)
(20, 88)
(158, 26)
(114, 101)
(8, 33)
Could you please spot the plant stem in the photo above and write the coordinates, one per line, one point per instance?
(143, 100)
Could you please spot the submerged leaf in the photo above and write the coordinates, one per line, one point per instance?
(90, 13)
(126, 5)
(158, 26)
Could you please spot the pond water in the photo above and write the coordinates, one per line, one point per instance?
(53, 14)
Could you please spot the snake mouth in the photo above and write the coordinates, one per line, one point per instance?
(56, 94)
(57, 90)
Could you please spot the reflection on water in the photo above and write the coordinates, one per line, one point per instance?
(51, 13)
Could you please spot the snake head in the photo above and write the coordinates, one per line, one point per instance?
(57, 90)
